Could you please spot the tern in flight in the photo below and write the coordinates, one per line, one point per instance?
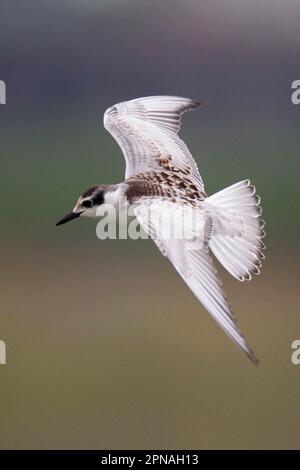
(162, 175)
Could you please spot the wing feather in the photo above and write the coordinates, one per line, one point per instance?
(198, 271)
(146, 130)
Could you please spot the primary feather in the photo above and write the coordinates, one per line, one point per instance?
(161, 171)
(146, 130)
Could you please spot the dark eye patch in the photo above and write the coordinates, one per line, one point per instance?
(87, 203)
(98, 199)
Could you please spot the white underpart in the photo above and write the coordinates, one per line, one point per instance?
(147, 131)
(168, 220)
(115, 198)
(195, 266)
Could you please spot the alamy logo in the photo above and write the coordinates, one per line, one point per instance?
(2, 92)
(295, 96)
(163, 221)
(2, 352)
(295, 357)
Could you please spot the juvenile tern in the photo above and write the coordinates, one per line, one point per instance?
(161, 173)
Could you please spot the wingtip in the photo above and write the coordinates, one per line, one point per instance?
(196, 103)
(253, 358)
(255, 362)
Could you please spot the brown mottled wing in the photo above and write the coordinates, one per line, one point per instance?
(146, 130)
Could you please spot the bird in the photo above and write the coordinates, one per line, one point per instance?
(162, 175)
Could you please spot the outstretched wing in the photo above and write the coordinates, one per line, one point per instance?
(196, 267)
(146, 130)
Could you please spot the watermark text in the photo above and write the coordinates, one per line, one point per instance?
(2, 92)
(295, 357)
(157, 220)
(2, 352)
(295, 96)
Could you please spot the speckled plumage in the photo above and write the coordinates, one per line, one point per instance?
(163, 184)
(162, 174)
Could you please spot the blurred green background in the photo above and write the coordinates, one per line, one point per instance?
(106, 346)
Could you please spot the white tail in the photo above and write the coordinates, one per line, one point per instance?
(236, 239)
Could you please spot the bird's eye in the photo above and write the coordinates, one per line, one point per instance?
(87, 203)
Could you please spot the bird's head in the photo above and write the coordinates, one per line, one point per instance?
(87, 204)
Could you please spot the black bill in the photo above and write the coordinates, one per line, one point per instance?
(68, 217)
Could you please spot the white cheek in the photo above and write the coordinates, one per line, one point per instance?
(113, 197)
(90, 212)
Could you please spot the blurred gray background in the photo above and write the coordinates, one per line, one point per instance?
(106, 346)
